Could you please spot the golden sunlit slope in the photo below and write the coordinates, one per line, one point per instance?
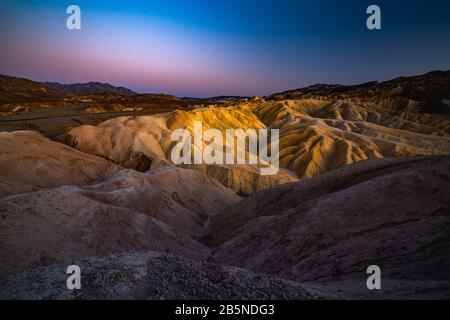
(117, 138)
(317, 136)
(29, 161)
(134, 141)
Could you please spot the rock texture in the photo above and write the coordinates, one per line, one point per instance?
(120, 138)
(394, 213)
(52, 226)
(127, 211)
(322, 128)
(29, 161)
(322, 232)
(317, 136)
(150, 275)
(374, 169)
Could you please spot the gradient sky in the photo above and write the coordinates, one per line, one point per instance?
(206, 48)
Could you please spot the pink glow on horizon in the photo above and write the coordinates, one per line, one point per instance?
(146, 56)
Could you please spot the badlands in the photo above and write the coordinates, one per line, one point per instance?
(364, 180)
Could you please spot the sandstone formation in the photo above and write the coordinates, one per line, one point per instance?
(321, 233)
(59, 203)
(394, 213)
(120, 138)
(317, 136)
(29, 161)
(364, 180)
(322, 127)
(243, 179)
(126, 212)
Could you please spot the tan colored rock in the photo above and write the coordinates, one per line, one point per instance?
(244, 179)
(128, 211)
(317, 136)
(29, 161)
(121, 138)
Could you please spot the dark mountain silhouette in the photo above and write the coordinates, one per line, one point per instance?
(88, 88)
(434, 85)
(14, 89)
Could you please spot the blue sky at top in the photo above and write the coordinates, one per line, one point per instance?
(204, 48)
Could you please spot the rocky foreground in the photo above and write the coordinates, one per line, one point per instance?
(151, 275)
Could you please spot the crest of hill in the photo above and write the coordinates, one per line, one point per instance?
(87, 88)
(21, 89)
(331, 227)
(434, 85)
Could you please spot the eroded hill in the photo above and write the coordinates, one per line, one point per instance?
(316, 136)
(373, 164)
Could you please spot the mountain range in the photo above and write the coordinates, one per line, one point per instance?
(88, 88)
(434, 85)
(14, 88)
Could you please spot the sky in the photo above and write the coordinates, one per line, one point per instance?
(231, 47)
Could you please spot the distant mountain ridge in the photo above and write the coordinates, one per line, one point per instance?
(434, 85)
(88, 88)
(21, 89)
(16, 89)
